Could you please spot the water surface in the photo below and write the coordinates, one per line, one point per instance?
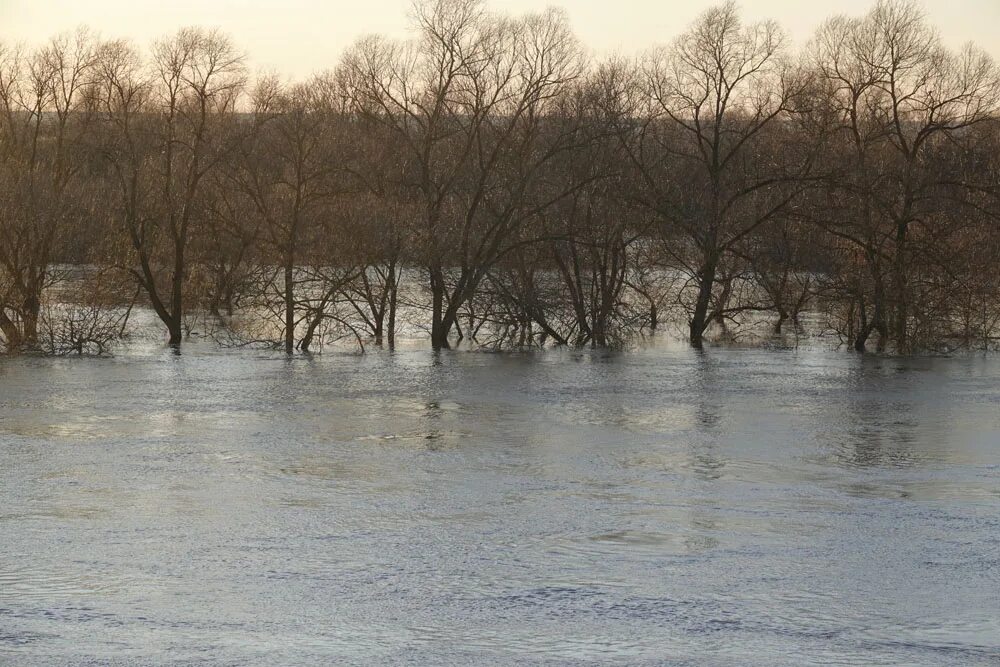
(658, 506)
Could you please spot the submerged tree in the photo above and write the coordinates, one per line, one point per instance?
(43, 199)
(467, 101)
(165, 129)
(707, 145)
(485, 182)
(288, 174)
(898, 96)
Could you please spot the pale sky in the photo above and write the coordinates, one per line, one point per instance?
(297, 37)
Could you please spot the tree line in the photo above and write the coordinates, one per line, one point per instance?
(488, 181)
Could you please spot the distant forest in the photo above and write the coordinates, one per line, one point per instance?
(488, 182)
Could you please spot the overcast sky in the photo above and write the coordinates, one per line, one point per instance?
(296, 37)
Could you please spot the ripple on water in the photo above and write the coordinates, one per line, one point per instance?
(735, 507)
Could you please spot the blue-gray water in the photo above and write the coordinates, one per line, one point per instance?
(737, 507)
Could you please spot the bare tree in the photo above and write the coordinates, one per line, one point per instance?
(166, 128)
(467, 99)
(896, 93)
(44, 117)
(288, 172)
(713, 184)
(708, 103)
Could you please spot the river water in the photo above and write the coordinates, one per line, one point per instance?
(656, 506)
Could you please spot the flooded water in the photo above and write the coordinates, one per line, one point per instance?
(659, 506)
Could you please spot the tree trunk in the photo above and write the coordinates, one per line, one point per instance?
(174, 327)
(29, 315)
(862, 338)
(699, 319)
(864, 327)
(289, 307)
(175, 330)
(877, 322)
(598, 337)
(782, 316)
(899, 283)
(11, 333)
(440, 327)
(393, 287)
(310, 333)
(720, 311)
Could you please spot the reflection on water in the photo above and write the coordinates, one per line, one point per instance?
(731, 507)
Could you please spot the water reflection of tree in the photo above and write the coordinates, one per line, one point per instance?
(883, 424)
(706, 383)
(706, 462)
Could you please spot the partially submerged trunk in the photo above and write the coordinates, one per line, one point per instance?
(11, 332)
(699, 318)
(289, 294)
(440, 328)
